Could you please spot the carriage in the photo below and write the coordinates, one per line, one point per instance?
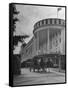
(37, 64)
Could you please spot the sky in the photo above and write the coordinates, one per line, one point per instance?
(29, 15)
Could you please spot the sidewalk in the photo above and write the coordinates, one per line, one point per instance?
(28, 78)
(57, 70)
(27, 73)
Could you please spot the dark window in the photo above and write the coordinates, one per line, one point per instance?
(50, 21)
(46, 21)
(55, 21)
(42, 21)
(39, 23)
(59, 21)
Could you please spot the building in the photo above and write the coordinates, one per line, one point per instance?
(48, 41)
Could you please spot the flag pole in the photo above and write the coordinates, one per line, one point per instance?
(58, 9)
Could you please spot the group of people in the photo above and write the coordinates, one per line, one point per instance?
(48, 64)
(41, 64)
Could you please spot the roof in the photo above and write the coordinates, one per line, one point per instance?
(49, 21)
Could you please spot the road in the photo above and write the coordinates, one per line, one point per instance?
(29, 78)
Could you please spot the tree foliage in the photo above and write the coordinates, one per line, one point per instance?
(15, 61)
(16, 38)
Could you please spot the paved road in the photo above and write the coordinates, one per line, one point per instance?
(28, 78)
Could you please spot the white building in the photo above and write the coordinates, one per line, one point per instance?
(48, 39)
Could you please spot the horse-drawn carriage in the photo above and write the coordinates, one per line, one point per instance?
(38, 63)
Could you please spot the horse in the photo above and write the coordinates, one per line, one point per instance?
(35, 65)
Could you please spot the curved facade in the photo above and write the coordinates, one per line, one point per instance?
(49, 35)
(49, 38)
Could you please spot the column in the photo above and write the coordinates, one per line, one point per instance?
(38, 42)
(48, 41)
(35, 46)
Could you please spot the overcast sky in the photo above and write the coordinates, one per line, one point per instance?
(29, 15)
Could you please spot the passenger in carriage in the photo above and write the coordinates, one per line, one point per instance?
(49, 65)
(42, 64)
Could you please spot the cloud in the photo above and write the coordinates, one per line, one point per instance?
(29, 15)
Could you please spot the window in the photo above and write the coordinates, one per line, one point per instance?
(50, 21)
(46, 21)
(59, 21)
(55, 21)
(39, 23)
(42, 21)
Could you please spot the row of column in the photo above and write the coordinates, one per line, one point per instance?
(37, 42)
(48, 45)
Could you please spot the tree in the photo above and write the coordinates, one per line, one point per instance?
(15, 61)
(19, 38)
(16, 38)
